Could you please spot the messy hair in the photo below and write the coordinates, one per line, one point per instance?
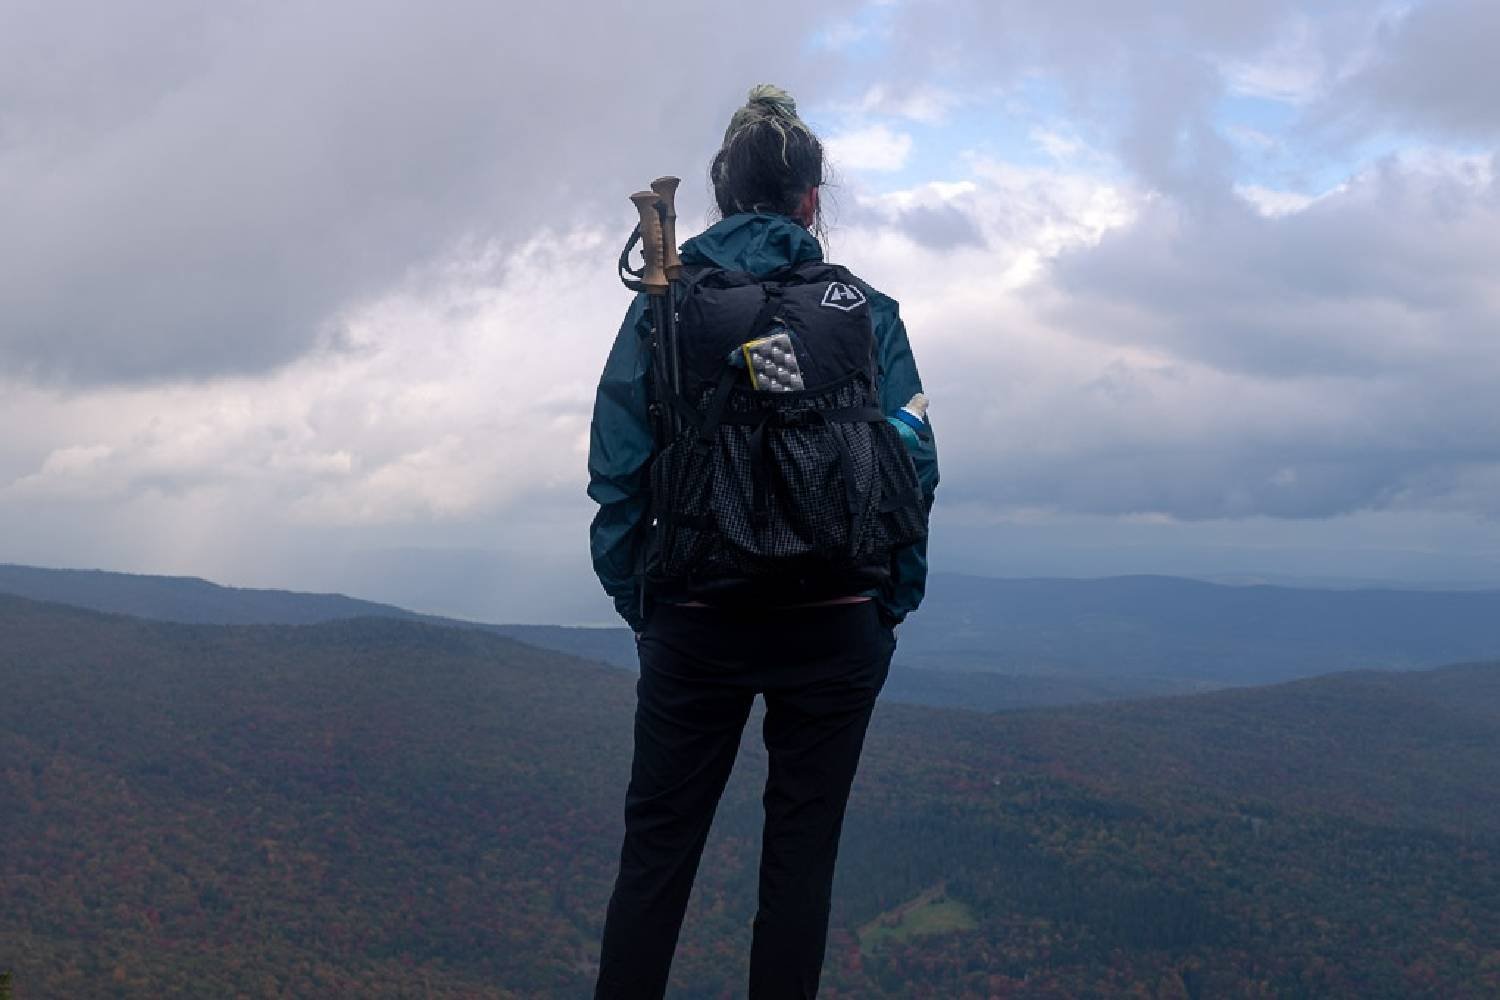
(769, 158)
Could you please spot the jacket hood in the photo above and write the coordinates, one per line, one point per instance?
(753, 242)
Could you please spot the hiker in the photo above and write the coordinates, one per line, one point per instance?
(710, 634)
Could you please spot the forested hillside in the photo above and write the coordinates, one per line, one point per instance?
(388, 808)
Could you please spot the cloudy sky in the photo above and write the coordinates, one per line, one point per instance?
(316, 295)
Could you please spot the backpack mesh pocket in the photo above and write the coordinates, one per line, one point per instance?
(781, 494)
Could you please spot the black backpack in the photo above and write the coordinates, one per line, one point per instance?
(778, 496)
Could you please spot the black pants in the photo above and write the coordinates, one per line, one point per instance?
(819, 670)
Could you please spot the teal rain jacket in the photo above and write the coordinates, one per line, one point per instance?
(620, 444)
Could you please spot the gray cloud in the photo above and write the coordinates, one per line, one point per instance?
(191, 191)
(1434, 72)
(1329, 361)
(188, 191)
(940, 227)
(1391, 274)
(1090, 41)
(1148, 77)
(1145, 72)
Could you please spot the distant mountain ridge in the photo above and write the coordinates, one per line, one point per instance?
(190, 600)
(977, 642)
(195, 601)
(1188, 629)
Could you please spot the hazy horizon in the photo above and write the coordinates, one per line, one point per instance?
(463, 599)
(317, 297)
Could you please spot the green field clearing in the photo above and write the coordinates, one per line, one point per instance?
(931, 913)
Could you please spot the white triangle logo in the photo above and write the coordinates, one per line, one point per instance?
(842, 296)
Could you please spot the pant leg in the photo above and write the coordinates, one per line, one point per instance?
(687, 732)
(814, 731)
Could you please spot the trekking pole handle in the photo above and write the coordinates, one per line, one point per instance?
(666, 189)
(653, 276)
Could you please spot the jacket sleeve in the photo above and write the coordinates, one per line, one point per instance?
(899, 382)
(619, 451)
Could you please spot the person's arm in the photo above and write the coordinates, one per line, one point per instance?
(899, 382)
(619, 452)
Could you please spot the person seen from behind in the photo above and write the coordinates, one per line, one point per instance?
(769, 547)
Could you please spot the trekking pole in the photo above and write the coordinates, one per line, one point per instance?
(665, 189)
(653, 281)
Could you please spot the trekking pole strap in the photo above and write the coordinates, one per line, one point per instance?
(624, 265)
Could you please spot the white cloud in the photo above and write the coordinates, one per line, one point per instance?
(1057, 145)
(1270, 202)
(925, 103)
(873, 148)
(457, 402)
(1292, 69)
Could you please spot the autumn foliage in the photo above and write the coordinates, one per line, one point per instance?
(385, 808)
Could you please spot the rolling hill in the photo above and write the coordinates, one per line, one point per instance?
(191, 600)
(381, 807)
(977, 642)
(1143, 626)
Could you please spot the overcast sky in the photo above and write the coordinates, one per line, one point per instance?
(316, 295)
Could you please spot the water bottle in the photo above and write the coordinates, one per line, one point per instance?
(911, 421)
